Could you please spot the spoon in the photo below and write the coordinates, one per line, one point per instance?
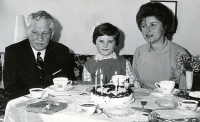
(105, 113)
(143, 104)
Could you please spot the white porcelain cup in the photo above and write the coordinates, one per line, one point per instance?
(88, 108)
(61, 83)
(126, 85)
(165, 86)
(190, 105)
(115, 79)
(36, 92)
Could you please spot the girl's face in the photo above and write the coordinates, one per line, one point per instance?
(105, 45)
(153, 31)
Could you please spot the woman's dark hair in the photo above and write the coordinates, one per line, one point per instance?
(108, 30)
(158, 10)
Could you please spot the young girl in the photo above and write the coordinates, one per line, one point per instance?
(106, 62)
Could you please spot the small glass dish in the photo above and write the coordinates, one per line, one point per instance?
(119, 112)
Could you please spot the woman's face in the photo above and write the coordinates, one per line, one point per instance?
(153, 31)
(105, 45)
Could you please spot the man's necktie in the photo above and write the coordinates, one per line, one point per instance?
(39, 64)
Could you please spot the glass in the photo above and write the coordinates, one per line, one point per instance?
(187, 91)
(153, 117)
(189, 79)
(143, 104)
(189, 82)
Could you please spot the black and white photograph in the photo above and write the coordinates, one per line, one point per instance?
(99, 61)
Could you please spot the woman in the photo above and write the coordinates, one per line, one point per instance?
(156, 60)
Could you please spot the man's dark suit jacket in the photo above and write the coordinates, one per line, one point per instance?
(20, 72)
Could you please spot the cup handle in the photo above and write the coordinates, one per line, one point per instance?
(43, 93)
(157, 85)
(68, 84)
(179, 104)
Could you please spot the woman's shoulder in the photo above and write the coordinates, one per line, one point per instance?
(177, 48)
(142, 48)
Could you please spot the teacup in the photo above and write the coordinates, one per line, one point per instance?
(88, 108)
(165, 86)
(190, 105)
(36, 92)
(126, 85)
(116, 78)
(61, 83)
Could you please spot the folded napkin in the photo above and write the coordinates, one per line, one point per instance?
(46, 107)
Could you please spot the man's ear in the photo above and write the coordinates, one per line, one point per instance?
(27, 29)
(52, 33)
(164, 29)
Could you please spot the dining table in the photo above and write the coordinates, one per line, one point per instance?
(80, 93)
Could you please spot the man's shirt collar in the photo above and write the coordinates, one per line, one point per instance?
(42, 53)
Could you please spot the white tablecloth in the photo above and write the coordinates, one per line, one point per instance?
(73, 97)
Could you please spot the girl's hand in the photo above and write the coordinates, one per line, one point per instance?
(136, 84)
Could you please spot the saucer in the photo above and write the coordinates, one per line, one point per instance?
(53, 87)
(186, 110)
(119, 112)
(195, 94)
(158, 91)
(97, 112)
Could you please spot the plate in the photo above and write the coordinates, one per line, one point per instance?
(119, 112)
(168, 102)
(175, 91)
(194, 95)
(130, 102)
(53, 87)
(97, 112)
(89, 89)
(107, 105)
(62, 99)
(141, 92)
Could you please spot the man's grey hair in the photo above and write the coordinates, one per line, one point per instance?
(41, 15)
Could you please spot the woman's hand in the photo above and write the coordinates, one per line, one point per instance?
(136, 84)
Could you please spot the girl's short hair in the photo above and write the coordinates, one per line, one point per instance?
(108, 30)
(158, 10)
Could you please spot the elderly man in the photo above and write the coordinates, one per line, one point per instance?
(35, 61)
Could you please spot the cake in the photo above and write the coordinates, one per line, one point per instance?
(110, 96)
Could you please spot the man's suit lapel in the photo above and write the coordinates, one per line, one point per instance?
(28, 60)
(49, 62)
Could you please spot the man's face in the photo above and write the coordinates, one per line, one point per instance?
(39, 34)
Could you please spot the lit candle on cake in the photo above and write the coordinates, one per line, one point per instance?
(116, 86)
(101, 81)
(96, 80)
(125, 82)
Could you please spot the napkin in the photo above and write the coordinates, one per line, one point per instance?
(46, 107)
